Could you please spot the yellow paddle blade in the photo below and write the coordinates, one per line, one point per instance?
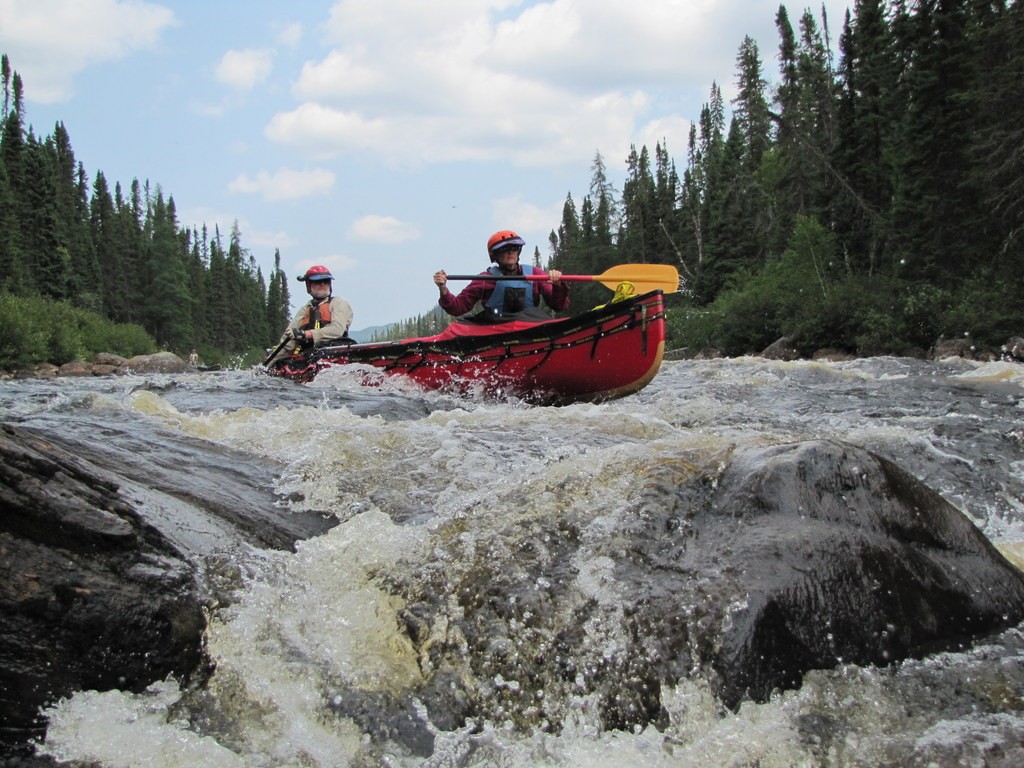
(649, 277)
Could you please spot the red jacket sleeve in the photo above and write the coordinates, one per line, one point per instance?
(477, 290)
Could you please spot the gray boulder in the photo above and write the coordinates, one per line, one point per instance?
(161, 362)
(745, 571)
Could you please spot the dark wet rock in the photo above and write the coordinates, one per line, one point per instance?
(41, 371)
(104, 580)
(964, 347)
(744, 571)
(1013, 349)
(89, 596)
(781, 349)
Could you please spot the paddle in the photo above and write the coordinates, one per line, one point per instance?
(650, 276)
(273, 354)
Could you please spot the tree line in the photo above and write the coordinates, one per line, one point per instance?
(872, 205)
(122, 254)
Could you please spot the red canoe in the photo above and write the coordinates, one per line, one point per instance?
(608, 352)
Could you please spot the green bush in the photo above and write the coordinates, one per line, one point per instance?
(988, 307)
(34, 330)
(21, 338)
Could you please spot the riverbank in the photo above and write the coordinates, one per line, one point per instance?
(105, 364)
(784, 349)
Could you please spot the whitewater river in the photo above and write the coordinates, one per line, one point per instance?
(402, 470)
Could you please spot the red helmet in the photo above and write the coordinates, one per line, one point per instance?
(316, 272)
(502, 239)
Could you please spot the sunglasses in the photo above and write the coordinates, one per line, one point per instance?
(507, 249)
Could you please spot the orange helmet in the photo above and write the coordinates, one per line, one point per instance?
(503, 239)
(316, 272)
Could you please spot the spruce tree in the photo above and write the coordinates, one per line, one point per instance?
(197, 287)
(936, 222)
(168, 311)
(749, 201)
(278, 300)
(639, 209)
(47, 260)
(997, 149)
(10, 258)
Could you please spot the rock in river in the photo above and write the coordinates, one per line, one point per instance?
(98, 587)
(744, 570)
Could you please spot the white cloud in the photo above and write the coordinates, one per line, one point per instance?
(244, 70)
(336, 263)
(513, 213)
(543, 132)
(672, 131)
(337, 76)
(538, 84)
(212, 219)
(50, 41)
(290, 35)
(285, 184)
(383, 229)
(264, 238)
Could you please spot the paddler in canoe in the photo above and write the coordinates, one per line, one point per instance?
(324, 319)
(502, 297)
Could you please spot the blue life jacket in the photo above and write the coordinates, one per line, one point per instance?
(511, 296)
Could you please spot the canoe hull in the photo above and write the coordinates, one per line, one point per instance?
(606, 353)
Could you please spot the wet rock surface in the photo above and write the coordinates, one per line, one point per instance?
(745, 568)
(98, 588)
(746, 571)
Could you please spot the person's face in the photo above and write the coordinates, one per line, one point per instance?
(319, 289)
(508, 257)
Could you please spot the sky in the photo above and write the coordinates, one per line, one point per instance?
(385, 139)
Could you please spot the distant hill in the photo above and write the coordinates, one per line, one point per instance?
(366, 334)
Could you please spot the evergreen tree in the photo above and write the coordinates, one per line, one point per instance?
(602, 194)
(866, 138)
(639, 209)
(278, 299)
(219, 303)
(10, 259)
(238, 286)
(73, 222)
(47, 260)
(6, 77)
(751, 111)
(804, 132)
(168, 311)
(569, 254)
(12, 162)
(937, 223)
(749, 201)
(134, 279)
(196, 267)
(997, 152)
(702, 190)
(730, 235)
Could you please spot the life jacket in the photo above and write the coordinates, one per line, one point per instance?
(511, 296)
(313, 316)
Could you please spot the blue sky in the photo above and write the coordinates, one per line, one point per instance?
(384, 138)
